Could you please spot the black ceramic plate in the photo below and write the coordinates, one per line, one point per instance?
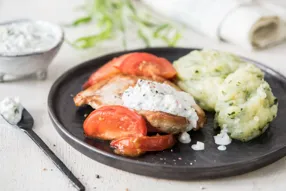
(181, 163)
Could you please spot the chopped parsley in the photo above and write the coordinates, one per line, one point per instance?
(260, 76)
(232, 115)
(247, 94)
(217, 70)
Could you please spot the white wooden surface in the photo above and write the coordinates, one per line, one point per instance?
(23, 167)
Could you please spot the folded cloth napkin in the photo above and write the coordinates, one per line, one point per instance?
(248, 23)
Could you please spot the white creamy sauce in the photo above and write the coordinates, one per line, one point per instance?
(199, 146)
(221, 148)
(184, 138)
(222, 139)
(154, 96)
(27, 37)
(11, 109)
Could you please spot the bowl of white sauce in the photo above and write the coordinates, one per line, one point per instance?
(27, 47)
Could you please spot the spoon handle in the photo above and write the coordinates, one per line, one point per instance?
(54, 158)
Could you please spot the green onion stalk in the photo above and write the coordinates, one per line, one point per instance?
(112, 17)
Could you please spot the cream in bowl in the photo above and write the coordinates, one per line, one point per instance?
(28, 47)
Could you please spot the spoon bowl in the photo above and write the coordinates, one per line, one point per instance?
(27, 121)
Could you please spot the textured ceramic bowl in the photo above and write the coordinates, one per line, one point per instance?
(30, 63)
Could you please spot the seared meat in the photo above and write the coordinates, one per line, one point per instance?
(109, 92)
(106, 92)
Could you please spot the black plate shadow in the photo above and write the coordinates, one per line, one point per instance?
(181, 162)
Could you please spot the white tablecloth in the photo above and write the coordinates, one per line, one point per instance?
(23, 167)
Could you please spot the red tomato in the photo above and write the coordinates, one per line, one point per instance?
(117, 61)
(136, 63)
(113, 122)
(103, 72)
(135, 146)
(126, 146)
(145, 64)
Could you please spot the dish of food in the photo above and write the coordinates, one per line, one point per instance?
(138, 110)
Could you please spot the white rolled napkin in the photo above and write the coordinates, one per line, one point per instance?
(248, 23)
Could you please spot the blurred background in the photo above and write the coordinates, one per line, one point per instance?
(252, 28)
(245, 24)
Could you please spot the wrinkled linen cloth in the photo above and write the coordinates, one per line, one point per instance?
(248, 23)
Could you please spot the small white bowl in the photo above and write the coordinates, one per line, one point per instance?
(30, 63)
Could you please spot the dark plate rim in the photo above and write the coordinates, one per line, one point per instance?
(61, 127)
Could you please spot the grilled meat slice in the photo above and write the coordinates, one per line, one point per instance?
(109, 92)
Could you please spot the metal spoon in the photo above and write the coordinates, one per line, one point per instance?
(26, 124)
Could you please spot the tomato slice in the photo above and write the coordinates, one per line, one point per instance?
(145, 64)
(135, 146)
(103, 72)
(136, 63)
(113, 122)
(117, 61)
(126, 146)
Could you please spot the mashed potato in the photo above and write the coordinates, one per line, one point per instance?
(245, 103)
(234, 89)
(202, 72)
